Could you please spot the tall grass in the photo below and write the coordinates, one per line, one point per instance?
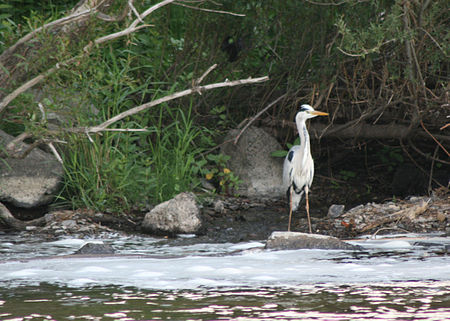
(120, 171)
(105, 174)
(173, 154)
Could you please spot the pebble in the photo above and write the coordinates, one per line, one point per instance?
(335, 210)
(68, 224)
(219, 207)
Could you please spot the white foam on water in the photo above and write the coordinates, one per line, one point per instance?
(69, 242)
(94, 269)
(395, 245)
(218, 265)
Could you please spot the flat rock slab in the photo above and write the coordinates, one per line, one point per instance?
(297, 240)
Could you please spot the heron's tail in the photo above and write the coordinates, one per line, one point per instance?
(296, 197)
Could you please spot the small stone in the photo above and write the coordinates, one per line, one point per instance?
(441, 217)
(335, 210)
(68, 224)
(219, 207)
(49, 217)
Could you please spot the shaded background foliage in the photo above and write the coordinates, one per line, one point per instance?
(367, 63)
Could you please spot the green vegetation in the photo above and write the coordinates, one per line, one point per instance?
(370, 62)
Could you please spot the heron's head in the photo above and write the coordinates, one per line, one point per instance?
(306, 112)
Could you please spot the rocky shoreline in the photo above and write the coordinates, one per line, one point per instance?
(239, 219)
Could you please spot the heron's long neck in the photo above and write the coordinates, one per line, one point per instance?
(304, 137)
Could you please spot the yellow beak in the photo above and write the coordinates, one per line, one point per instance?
(319, 113)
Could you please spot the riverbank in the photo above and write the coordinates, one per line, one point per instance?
(229, 219)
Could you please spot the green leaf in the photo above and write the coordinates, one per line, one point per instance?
(279, 153)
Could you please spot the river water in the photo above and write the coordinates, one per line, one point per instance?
(403, 278)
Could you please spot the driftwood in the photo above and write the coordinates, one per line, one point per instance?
(409, 213)
(12, 222)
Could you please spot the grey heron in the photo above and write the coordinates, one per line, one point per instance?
(298, 169)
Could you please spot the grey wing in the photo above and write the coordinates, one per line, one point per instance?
(291, 157)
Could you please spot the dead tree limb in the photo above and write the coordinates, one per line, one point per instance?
(176, 95)
(9, 220)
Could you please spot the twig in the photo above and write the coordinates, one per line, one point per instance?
(430, 180)
(374, 235)
(437, 142)
(55, 152)
(130, 4)
(434, 40)
(257, 116)
(365, 52)
(199, 80)
(327, 3)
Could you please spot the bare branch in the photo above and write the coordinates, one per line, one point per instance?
(209, 10)
(130, 4)
(437, 142)
(257, 116)
(199, 80)
(55, 152)
(5, 102)
(176, 95)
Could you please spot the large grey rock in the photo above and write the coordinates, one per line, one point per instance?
(296, 240)
(31, 181)
(251, 161)
(178, 215)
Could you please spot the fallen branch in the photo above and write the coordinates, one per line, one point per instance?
(176, 95)
(12, 147)
(361, 130)
(9, 220)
